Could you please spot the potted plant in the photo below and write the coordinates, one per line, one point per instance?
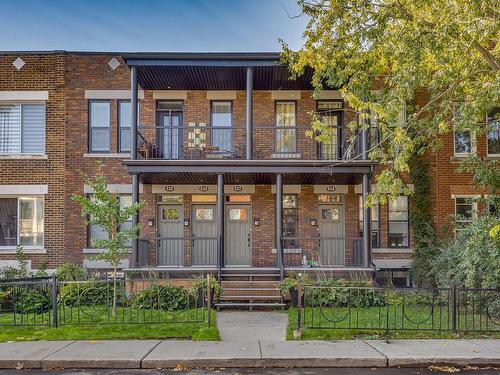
(200, 286)
(291, 283)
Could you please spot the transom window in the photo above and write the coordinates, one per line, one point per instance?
(286, 141)
(171, 198)
(399, 233)
(238, 198)
(22, 221)
(201, 198)
(330, 198)
(99, 126)
(22, 128)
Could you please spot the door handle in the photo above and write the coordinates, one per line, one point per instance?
(248, 239)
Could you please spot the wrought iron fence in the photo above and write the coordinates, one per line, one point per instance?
(48, 302)
(377, 309)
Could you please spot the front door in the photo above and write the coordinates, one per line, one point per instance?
(170, 129)
(170, 242)
(237, 240)
(203, 235)
(331, 235)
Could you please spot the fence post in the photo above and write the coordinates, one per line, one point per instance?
(209, 301)
(298, 330)
(454, 307)
(55, 322)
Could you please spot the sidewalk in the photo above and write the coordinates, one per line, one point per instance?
(154, 354)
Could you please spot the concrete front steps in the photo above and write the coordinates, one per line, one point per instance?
(250, 288)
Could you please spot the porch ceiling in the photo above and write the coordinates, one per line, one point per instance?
(214, 71)
(248, 172)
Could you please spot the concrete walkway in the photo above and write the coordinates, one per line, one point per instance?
(155, 354)
(252, 325)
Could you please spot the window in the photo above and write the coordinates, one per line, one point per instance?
(464, 142)
(329, 112)
(171, 214)
(493, 137)
(21, 221)
(124, 116)
(238, 198)
(465, 210)
(204, 214)
(289, 217)
(221, 124)
(96, 232)
(375, 224)
(200, 198)
(330, 198)
(22, 129)
(238, 214)
(171, 198)
(399, 222)
(99, 126)
(286, 141)
(330, 214)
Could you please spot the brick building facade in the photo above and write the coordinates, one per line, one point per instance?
(180, 202)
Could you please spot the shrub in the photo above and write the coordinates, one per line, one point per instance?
(27, 301)
(70, 272)
(163, 297)
(91, 293)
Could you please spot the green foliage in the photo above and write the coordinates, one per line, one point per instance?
(201, 283)
(29, 300)
(163, 297)
(424, 234)
(343, 293)
(383, 54)
(293, 281)
(90, 293)
(472, 257)
(70, 272)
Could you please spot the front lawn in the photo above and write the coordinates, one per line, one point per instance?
(337, 324)
(91, 324)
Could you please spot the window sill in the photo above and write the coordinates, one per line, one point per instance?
(111, 156)
(382, 250)
(492, 157)
(288, 251)
(459, 158)
(96, 251)
(12, 250)
(23, 157)
(287, 155)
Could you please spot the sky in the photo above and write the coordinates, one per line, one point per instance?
(149, 25)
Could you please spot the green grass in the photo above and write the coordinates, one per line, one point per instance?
(335, 325)
(94, 325)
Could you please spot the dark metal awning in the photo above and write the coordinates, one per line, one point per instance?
(214, 71)
(304, 172)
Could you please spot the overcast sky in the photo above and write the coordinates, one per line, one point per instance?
(149, 25)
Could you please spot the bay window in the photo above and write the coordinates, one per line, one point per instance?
(286, 136)
(22, 128)
(21, 221)
(399, 224)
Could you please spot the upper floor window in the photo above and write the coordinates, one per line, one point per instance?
(124, 115)
(286, 138)
(221, 124)
(100, 126)
(22, 128)
(21, 221)
(330, 114)
(464, 142)
(493, 137)
(375, 223)
(399, 224)
(465, 210)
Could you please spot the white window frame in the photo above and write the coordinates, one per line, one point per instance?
(473, 147)
(18, 197)
(474, 206)
(21, 103)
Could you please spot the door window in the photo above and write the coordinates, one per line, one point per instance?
(204, 214)
(328, 112)
(238, 214)
(171, 214)
(330, 214)
(221, 125)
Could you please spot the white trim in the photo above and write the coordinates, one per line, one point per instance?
(115, 189)
(288, 251)
(111, 94)
(100, 264)
(392, 250)
(170, 94)
(331, 189)
(472, 145)
(18, 190)
(328, 95)
(221, 95)
(23, 156)
(453, 196)
(24, 95)
(285, 94)
(392, 263)
(26, 250)
(121, 155)
(288, 189)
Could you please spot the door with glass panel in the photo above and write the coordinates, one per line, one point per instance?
(170, 242)
(170, 132)
(203, 235)
(286, 135)
(330, 117)
(222, 137)
(237, 240)
(331, 235)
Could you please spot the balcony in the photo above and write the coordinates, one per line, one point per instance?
(204, 142)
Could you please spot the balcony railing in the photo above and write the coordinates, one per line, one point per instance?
(202, 142)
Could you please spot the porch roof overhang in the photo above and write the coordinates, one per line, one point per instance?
(304, 172)
(214, 71)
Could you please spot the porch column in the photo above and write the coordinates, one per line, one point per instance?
(133, 156)
(249, 113)
(279, 222)
(366, 222)
(220, 222)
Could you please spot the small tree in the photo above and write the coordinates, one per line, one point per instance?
(103, 208)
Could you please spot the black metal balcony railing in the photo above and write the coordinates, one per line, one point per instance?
(217, 142)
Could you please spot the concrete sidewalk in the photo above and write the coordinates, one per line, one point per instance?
(170, 353)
